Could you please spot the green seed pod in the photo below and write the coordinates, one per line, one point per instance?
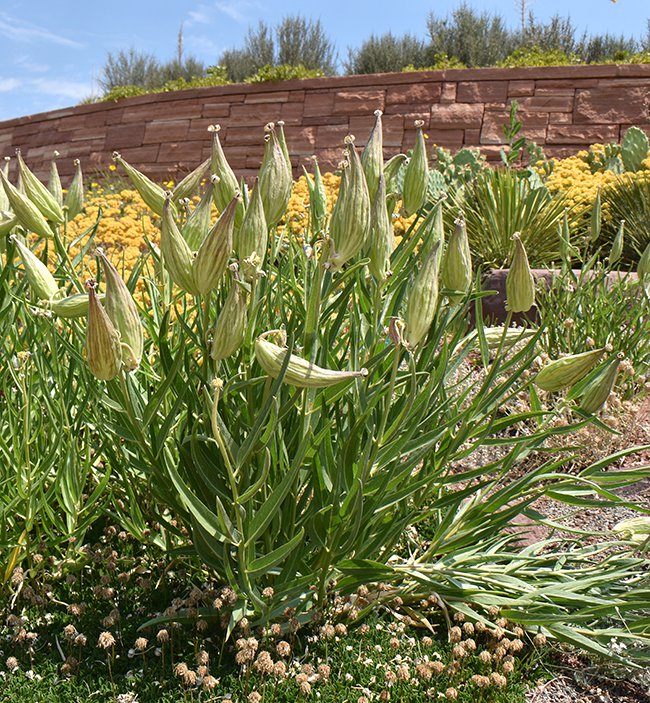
(152, 194)
(189, 185)
(103, 351)
(121, 309)
(252, 237)
(39, 194)
(617, 244)
(643, 268)
(423, 299)
(212, 258)
(275, 178)
(391, 173)
(599, 388)
(300, 372)
(197, 225)
(350, 222)
(40, 279)
(227, 186)
(317, 199)
(4, 200)
(416, 178)
(27, 214)
(7, 222)
(595, 219)
(73, 306)
(54, 184)
(456, 268)
(230, 327)
(177, 256)
(494, 335)
(635, 529)
(568, 370)
(283, 144)
(74, 200)
(520, 283)
(372, 157)
(382, 238)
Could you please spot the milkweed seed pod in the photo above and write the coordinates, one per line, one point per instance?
(423, 299)
(520, 283)
(350, 221)
(252, 236)
(153, 195)
(27, 214)
(643, 268)
(74, 200)
(227, 186)
(41, 281)
(300, 372)
(121, 309)
(564, 372)
(282, 140)
(7, 222)
(494, 335)
(38, 193)
(73, 306)
(617, 244)
(54, 182)
(599, 388)
(197, 225)
(635, 529)
(392, 170)
(317, 198)
(176, 254)
(416, 177)
(456, 268)
(595, 219)
(275, 178)
(4, 200)
(189, 185)
(103, 351)
(372, 157)
(381, 242)
(230, 327)
(212, 258)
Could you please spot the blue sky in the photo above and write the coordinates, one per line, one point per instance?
(52, 52)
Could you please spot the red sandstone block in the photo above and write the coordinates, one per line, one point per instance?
(415, 108)
(442, 137)
(612, 105)
(198, 129)
(318, 103)
(241, 136)
(560, 117)
(466, 116)
(88, 134)
(534, 125)
(472, 137)
(546, 92)
(358, 102)
(518, 89)
(181, 152)
(482, 92)
(291, 113)
(144, 156)
(325, 120)
(215, 110)
(581, 134)
(296, 96)
(277, 96)
(254, 115)
(115, 116)
(448, 94)
(416, 93)
(393, 138)
(331, 137)
(302, 142)
(96, 119)
(547, 103)
(159, 131)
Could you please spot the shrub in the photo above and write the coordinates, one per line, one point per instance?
(387, 53)
(535, 56)
(282, 72)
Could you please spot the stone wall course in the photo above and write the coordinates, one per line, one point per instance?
(563, 108)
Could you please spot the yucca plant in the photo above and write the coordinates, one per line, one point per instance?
(347, 409)
(499, 203)
(629, 200)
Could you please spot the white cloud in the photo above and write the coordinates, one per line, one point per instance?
(233, 9)
(29, 65)
(199, 16)
(202, 45)
(75, 90)
(18, 30)
(8, 84)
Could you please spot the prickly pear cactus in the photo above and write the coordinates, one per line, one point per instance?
(634, 149)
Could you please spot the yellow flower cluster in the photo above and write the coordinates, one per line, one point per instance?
(573, 177)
